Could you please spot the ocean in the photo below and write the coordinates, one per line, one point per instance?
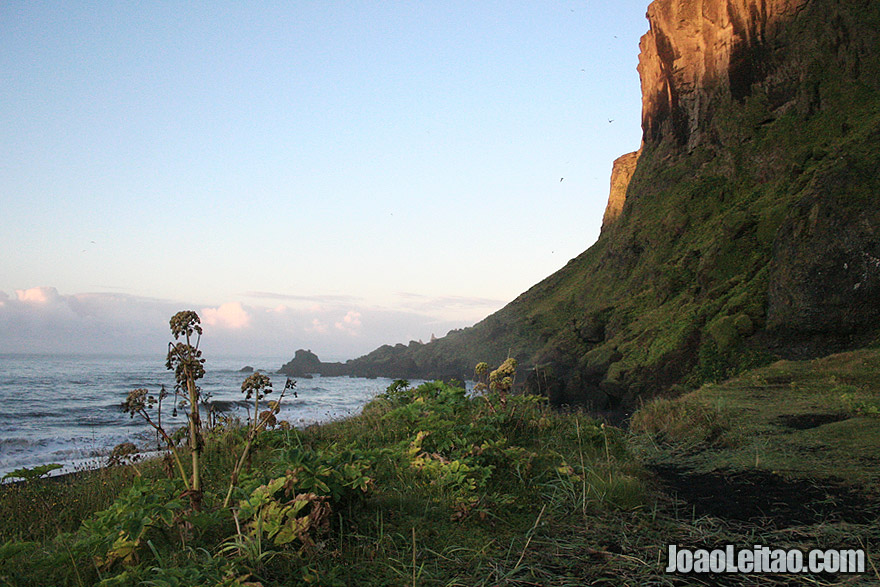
(66, 409)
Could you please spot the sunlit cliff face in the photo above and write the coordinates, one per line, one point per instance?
(621, 172)
(696, 48)
(696, 51)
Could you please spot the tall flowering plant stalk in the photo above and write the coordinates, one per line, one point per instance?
(500, 381)
(256, 387)
(138, 402)
(185, 359)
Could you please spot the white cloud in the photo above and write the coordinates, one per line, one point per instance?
(350, 323)
(317, 327)
(41, 319)
(37, 295)
(230, 315)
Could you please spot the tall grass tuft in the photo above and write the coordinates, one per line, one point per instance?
(685, 421)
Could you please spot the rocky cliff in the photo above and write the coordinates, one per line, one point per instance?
(744, 229)
(621, 172)
(697, 53)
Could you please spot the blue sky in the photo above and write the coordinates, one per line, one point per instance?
(331, 175)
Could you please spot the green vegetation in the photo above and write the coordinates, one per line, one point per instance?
(256, 386)
(31, 473)
(800, 419)
(428, 485)
(432, 486)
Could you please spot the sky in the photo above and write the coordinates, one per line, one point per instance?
(324, 175)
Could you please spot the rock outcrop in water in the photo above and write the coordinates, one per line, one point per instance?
(303, 364)
(387, 361)
(745, 229)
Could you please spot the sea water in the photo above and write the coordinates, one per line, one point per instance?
(67, 409)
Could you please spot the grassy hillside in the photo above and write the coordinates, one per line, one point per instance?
(817, 419)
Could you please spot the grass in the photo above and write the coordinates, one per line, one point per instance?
(41, 509)
(427, 486)
(784, 454)
(431, 487)
(799, 419)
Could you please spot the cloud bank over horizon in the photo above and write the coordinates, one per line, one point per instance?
(327, 175)
(43, 320)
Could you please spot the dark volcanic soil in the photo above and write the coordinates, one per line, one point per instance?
(807, 421)
(760, 496)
